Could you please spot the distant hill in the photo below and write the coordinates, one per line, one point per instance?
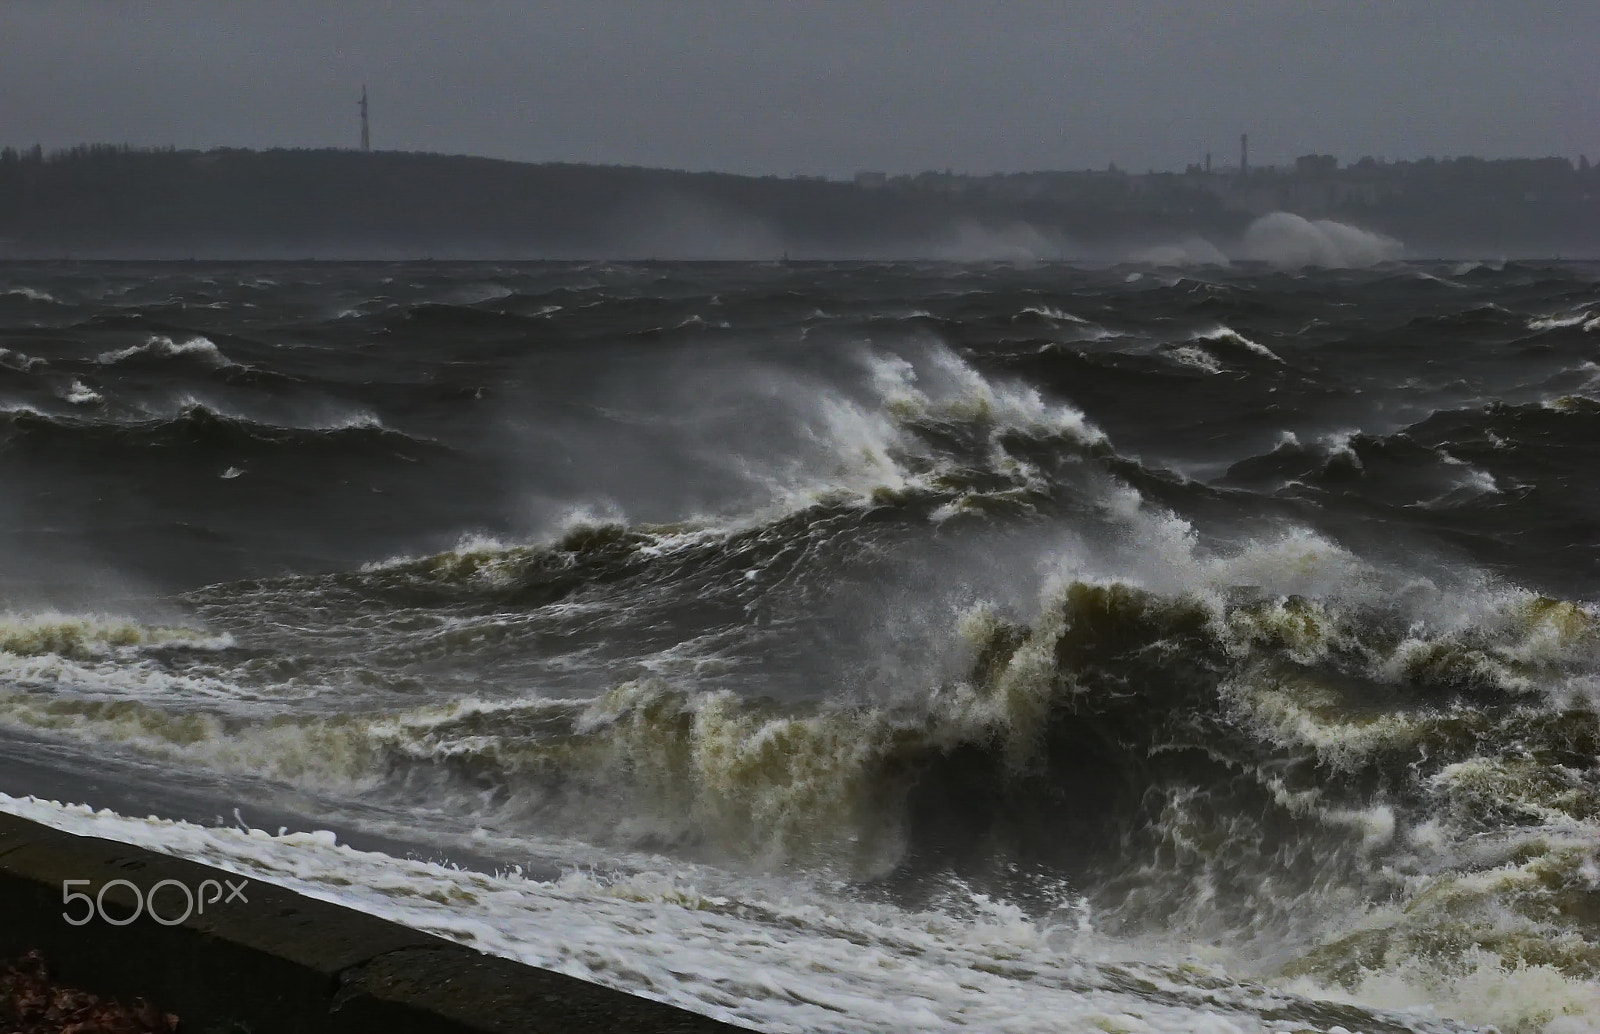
(333, 203)
(105, 202)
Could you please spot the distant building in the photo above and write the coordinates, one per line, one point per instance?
(1316, 165)
(867, 180)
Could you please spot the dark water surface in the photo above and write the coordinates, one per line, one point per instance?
(1229, 611)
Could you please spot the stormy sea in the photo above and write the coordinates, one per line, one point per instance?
(841, 647)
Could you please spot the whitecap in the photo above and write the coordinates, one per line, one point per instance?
(199, 347)
(80, 394)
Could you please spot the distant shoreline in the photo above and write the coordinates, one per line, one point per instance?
(116, 203)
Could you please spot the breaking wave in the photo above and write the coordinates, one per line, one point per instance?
(1291, 241)
(159, 347)
(1284, 748)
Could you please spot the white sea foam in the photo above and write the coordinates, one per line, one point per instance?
(776, 957)
(80, 394)
(1050, 312)
(1556, 322)
(1195, 356)
(94, 636)
(32, 294)
(945, 387)
(1481, 989)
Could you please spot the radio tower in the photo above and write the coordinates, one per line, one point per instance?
(366, 134)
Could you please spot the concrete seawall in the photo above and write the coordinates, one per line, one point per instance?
(278, 961)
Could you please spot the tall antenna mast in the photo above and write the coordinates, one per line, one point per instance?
(366, 134)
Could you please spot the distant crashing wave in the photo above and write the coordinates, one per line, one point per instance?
(1291, 241)
(1285, 241)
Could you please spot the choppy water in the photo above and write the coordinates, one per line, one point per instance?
(841, 647)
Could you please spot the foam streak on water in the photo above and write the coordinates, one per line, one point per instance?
(730, 951)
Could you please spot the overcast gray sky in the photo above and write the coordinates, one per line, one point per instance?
(814, 86)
